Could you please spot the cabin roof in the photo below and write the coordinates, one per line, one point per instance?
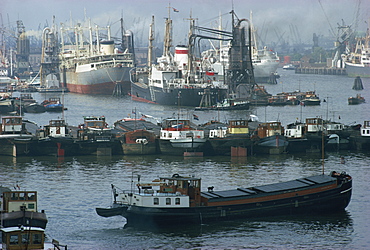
(181, 178)
(16, 229)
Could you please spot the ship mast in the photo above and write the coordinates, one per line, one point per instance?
(150, 48)
(190, 48)
(167, 35)
(91, 39)
(254, 38)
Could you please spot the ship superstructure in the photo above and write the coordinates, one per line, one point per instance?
(95, 65)
(186, 79)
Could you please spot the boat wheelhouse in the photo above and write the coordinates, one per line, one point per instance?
(365, 129)
(56, 139)
(20, 208)
(15, 139)
(178, 136)
(270, 138)
(227, 139)
(96, 138)
(57, 128)
(15, 238)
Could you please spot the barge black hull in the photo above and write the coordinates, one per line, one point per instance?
(326, 202)
(327, 195)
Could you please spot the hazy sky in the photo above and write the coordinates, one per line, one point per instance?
(273, 18)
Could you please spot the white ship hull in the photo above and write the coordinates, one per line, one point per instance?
(355, 69)
(265, 69)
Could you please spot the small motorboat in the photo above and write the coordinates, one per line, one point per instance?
(53, 105)
(289, 67)
(358, 99)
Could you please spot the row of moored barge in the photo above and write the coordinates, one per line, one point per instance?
(173, 136)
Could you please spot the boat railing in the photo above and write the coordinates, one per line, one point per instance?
(151, 192)
(341, 177)
(103, 138)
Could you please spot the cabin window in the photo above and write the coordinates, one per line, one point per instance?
(177, 201)
(156, 201)
(31, 205)
(31, 196)
(37, 238)
(169, 135)
(14, 196)
(21, 196)
(14, 239)
(25, 238)
(168, 201)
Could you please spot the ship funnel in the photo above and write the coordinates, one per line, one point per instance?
(128, 42)
(107, 47)
(181, 56)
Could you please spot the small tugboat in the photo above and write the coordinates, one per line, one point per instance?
(22, 226)
(310, 101)
(278, 100)
(20, 208)
(139, 142)
(179, 137)
(177, 200)
(361, 139)
(296, 136)
(16, 137)
(34, 108)
(30, 238)
(56, 139)
(270, 138)
(137, 136)
(289, 67)
(224, 138)
(358, 99)
(94, 137)
(29, 105)
(53, 105)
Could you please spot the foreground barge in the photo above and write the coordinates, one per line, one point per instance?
(179, 199)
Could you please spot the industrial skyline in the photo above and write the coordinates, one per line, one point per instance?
(293, 21)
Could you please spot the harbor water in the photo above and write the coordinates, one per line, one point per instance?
(70, 188)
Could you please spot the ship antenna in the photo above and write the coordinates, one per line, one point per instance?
(62, 103)
(322, 147)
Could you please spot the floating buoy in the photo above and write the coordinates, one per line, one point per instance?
(358, 84)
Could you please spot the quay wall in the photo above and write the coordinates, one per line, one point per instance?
(320, 71)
